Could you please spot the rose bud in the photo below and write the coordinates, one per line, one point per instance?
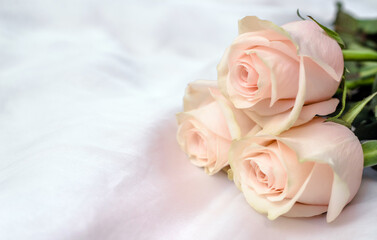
(208, 125)
(284, 75)
(306, 171)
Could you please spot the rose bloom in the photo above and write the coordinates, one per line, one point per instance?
(307, 170)
(208, 125)
(284, 75)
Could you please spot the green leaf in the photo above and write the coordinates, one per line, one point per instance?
(356, 109)
(374, 100)
(370, 153)
(299, 15)
(334, 35)
(344, 96)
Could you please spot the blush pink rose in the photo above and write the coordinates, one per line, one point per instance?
(283, 76)
(307, 170)
(208, 125)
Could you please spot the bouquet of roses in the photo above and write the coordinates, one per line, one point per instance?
(267, 119)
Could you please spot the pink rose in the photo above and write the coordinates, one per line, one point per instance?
(208, 125)
(284, 75)
(307, 170)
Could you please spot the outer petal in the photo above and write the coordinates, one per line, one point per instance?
(263, 107)
(284, 72)
(323, 108)
(318, 191)
(314, 42)
(204, 102)
(221, 146)
(253, 24)
(307, 113)
(210, 116)
(239, 124)
(273, 209)
(316, 196)
(320, 84)
(274, 127)
(337, 146)
(305, 210)
(299, 114)
(197, 94)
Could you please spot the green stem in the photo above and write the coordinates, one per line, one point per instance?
(359, 55)
(359, 82)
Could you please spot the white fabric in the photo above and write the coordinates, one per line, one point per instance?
(88, 96)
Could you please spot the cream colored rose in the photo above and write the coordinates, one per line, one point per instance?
(307, 170)
(208, 125)
(284, 75)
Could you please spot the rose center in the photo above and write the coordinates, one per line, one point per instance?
(261, 176)
(197, 146)
(244, 74)
(248, 76)
(264, 175)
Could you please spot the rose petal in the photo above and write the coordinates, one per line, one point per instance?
(273, 209)
(335, 145)
(235, 53)
(307, 113)
(210, 116)
(276, 125)
(253, 24)
(197, 94)
(245, 44)
(314, 42)
(237, 121)
(220, 155)
(320, 84)
(298, 174)
(263, 107)
(320, 184)
(323, 108)
(284, 72)
(305, 210)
